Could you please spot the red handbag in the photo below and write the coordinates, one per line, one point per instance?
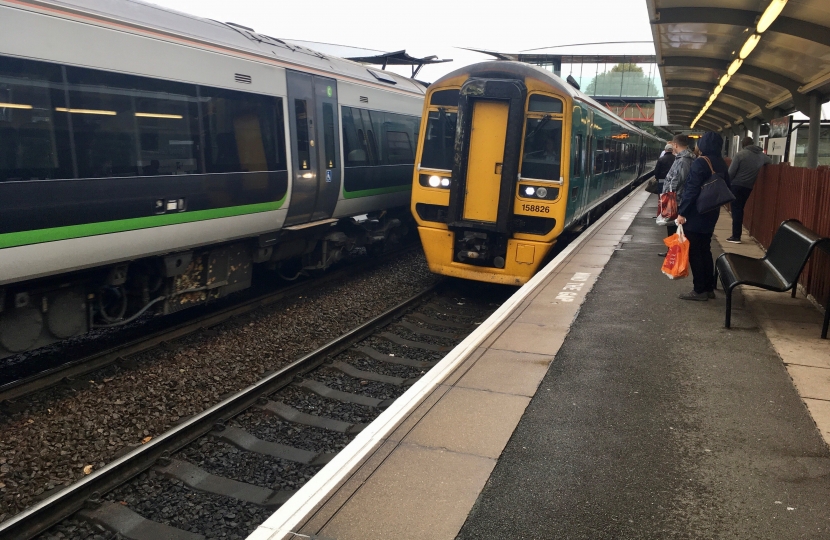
(667, 206)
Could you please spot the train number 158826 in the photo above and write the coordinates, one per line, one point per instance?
(536, 208)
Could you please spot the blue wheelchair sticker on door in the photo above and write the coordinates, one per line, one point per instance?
(328, 176)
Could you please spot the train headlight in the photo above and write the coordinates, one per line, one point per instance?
(530, 191)
(434, 181)
(541, 192)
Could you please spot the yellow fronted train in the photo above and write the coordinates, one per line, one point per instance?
(509, 157)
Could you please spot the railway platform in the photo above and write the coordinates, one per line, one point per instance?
(596, 404)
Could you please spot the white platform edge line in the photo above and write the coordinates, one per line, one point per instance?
(329, 478)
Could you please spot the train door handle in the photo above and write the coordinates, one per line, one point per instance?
(498, 168)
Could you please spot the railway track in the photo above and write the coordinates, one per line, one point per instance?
(25, 382)
(222, 472)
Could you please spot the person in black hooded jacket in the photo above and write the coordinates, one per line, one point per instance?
(700, 227)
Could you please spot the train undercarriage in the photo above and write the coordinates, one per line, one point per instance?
(38, 313)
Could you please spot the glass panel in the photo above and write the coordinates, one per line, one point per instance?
(241, 131)
(439, 140)
(328, 135)
(543, 145)
(356, 155)
(34, 136)
(398, 134)
(128, 126)
(802, 137)
(578, 157)
(599, 156)
(539, 103)
(447, 98)
(303, 153)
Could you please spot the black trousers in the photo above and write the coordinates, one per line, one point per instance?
(670, 230)
(741, 195)
(701, 262)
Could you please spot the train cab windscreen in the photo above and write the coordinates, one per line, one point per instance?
(542, 149)
(439, 142)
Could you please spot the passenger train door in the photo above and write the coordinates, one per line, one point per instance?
(315, 147)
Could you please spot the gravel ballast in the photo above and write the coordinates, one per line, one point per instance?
(66, 432)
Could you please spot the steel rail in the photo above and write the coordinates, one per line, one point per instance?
(17, 389)
(39, 518)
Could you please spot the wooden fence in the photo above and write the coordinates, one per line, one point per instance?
(785, 192)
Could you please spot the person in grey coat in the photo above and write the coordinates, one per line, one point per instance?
(743, 172)
(679, 172)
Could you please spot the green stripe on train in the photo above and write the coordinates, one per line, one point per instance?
(92, 229)
(378, 191)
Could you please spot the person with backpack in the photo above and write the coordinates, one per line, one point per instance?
(743, 171)
(698, 227)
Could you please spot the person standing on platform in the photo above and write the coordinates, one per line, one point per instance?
(743, 172)
(676, 177)
(700, 227)
(663, 166)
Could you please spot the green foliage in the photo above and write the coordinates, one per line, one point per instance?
(624, 79)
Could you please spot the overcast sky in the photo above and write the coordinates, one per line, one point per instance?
(439, 27)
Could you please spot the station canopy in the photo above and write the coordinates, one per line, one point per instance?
(761, 59)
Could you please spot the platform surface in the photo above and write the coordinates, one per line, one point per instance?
(603, 406)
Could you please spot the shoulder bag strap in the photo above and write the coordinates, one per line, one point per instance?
(709, 163)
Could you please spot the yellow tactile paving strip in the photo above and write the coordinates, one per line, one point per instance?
(793, 326)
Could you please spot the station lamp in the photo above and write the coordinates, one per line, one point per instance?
(766, 19)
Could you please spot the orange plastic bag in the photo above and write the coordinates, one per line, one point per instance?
(676, 263)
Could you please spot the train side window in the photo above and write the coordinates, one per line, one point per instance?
(353, 139)
(125, 125)
(378, 138)
(542, 149)
(446, 98)
(578, 156)
(439, 140)
(328, 135)
(547, 104)
(599, 156)
(241, 133)
(34, 136)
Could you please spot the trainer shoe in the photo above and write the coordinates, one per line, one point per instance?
(734, 240)
(699, 297)
(710, 295)
(662, 254)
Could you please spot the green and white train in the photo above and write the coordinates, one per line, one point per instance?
(149, 159)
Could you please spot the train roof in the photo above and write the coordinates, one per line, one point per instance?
(138, 15)
(509, 68)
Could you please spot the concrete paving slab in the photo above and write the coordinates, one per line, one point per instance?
(459, 372)
(470, 422)
(507, 372)
(417, 415)
(591, 261)
(820, 411)
(399, 501)
(532, 338)
(811, 382)
(341, 496)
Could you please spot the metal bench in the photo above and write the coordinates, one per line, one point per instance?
(778, 271)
